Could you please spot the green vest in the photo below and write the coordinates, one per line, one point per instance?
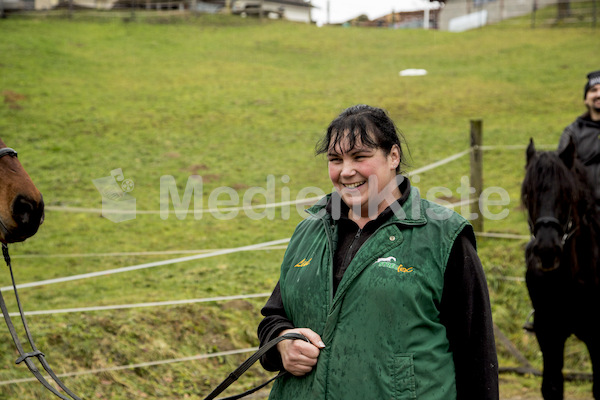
(382, 330)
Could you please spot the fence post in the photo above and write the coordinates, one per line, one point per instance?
(476, 173)
(260, 10)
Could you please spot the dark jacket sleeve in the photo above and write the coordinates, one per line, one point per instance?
(275, 320)
(465, 311)
(565, 138)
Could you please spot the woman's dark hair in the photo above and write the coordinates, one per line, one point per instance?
(370, 125)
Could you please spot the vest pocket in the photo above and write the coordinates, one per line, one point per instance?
(404, 377)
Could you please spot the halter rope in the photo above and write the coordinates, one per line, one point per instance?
(248, 363)
(26, 357)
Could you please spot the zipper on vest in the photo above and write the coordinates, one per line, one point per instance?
(349, 252)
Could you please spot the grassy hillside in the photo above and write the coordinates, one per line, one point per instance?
(241, 104)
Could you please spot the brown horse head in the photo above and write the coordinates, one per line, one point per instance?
(21, 203)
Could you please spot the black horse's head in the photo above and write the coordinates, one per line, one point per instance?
(554, 194)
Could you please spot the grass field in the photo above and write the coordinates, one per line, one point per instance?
(241, 104)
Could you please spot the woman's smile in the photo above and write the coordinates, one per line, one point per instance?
(353, 185)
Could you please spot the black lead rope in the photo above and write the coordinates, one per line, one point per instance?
(247, 364)
(26, 357)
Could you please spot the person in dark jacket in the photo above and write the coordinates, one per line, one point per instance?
(585, 133)
(386, 286)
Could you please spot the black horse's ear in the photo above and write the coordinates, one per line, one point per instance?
(568, 154)
(530, 151)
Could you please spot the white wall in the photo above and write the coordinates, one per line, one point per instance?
(295, 13)
(496, 10)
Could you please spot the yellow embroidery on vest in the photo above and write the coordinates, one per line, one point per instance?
(402, 269)
(302, 263)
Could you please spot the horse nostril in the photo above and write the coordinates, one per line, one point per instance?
(27, 212)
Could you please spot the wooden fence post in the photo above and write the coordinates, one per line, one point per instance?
(261, 8)
(476, 173)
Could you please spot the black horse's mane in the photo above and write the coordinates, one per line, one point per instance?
(553, 176)
(548, 174)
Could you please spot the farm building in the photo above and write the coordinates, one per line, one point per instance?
(424, 18)
(292, 10)
(459, 15)
(404, 14)
(15, 5)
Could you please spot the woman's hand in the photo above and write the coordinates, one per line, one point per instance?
(299, 357)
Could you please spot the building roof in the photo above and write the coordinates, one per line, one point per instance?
(300, 3)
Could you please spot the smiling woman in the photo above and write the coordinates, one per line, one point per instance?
(393, 288)
(364, 152)
(21, 203)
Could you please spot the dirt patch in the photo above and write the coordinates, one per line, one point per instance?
(237, 305)
(211, 178)
(13, 99)
(239, 186)
(196, 168)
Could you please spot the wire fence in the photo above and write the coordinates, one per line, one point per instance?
(200, 254)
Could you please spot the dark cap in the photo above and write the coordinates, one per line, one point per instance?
(593, 79)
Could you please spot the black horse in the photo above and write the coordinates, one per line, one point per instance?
(562, 260)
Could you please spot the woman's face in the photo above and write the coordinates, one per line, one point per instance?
(365, 177)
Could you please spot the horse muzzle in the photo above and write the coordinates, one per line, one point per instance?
(26, 216)
(546, 263)
(545, 256)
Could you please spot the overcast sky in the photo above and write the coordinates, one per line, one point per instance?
(343, 10)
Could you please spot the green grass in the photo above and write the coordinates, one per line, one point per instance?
(237, 101)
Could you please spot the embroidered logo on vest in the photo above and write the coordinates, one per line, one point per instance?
(390, 262)
(302, 263)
